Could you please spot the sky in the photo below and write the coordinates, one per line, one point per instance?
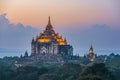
(82, 22)
(63, 12)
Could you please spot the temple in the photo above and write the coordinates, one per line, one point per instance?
(50, 42)
(91, 56)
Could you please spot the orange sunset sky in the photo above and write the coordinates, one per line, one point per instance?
(62, 12)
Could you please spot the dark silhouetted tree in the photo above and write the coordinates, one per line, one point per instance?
(97, 71)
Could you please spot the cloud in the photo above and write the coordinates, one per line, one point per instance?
(102, 37)
(15, 36)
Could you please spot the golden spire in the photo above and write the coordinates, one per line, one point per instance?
(91, 49)
(49, 21)
(91, 46)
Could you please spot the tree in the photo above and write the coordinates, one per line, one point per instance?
(91, 78)
(97, 71)
(69, 71)
(26, 73)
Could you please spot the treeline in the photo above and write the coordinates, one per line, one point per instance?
(67, 71)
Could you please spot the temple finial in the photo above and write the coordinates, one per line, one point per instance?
(49, 22)
(91, 46)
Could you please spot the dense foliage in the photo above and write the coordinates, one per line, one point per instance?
(67, 71)
(83, 70)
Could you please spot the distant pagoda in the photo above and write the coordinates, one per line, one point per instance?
(91, 56)
(50, 42)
